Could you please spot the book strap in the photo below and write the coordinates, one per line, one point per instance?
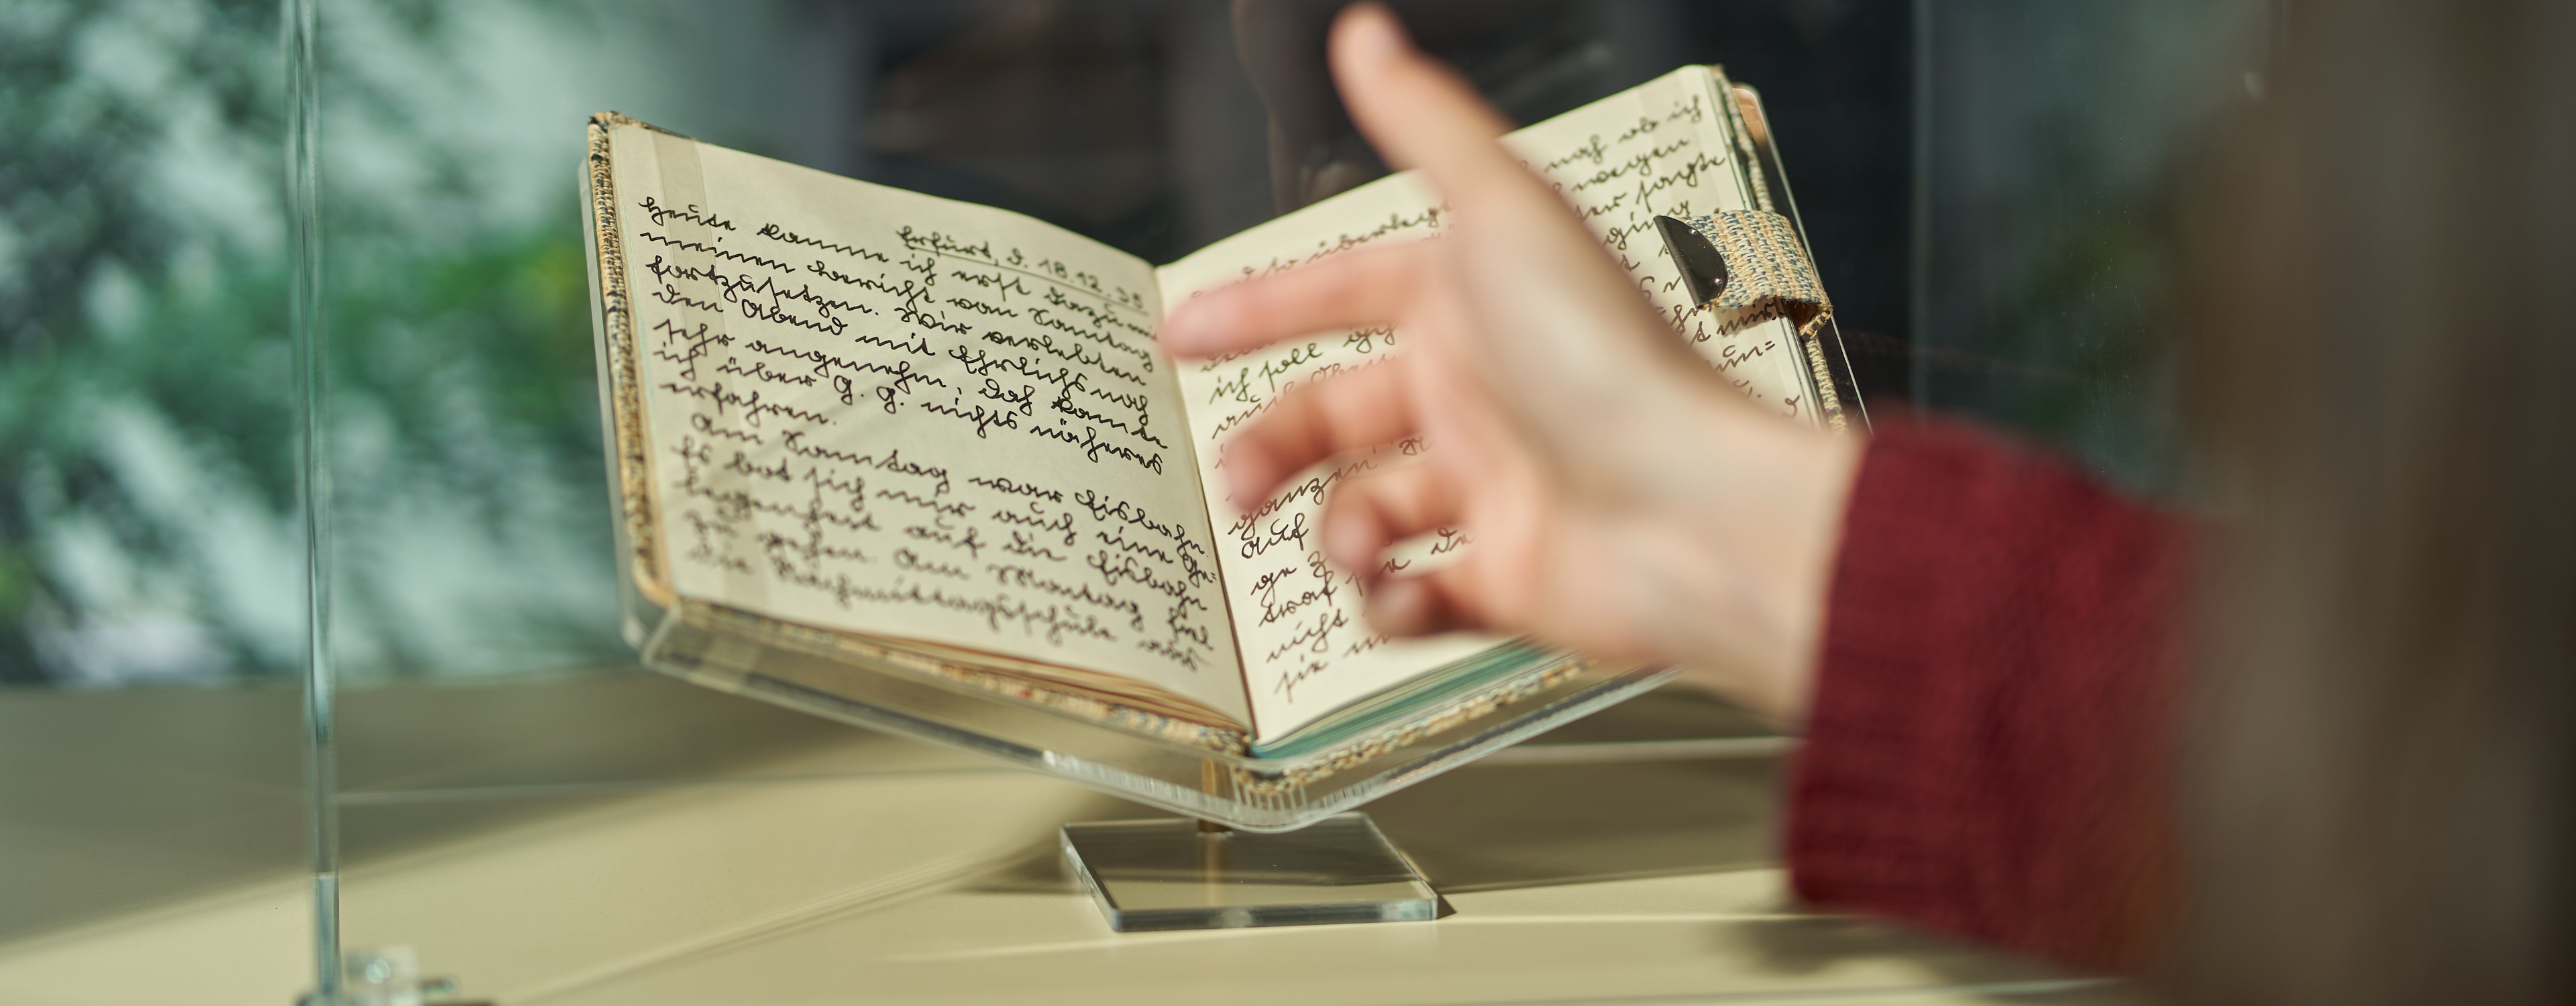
(1752, 262)
(1765, 268)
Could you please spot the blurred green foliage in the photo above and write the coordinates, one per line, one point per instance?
(147, 411)
(118, 296)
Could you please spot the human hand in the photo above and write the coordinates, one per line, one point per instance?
(1620, 499)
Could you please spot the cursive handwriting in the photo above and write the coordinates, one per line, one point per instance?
(924, 430)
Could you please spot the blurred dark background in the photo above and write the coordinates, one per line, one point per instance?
(1162, 126)
(1987, 184)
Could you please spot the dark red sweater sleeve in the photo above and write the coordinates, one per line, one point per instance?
(1988, 749)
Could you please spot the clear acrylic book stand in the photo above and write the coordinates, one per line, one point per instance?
(1265, 841)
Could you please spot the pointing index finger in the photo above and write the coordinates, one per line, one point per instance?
(1355, 289)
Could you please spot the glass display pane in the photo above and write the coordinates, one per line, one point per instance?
(2056, 142)
(491, 720)
(151, 602)
(1986, 188)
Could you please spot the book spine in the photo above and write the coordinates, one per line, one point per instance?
(631, 470)
(1758, 163)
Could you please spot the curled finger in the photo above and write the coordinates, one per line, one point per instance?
(1353, 410)
(1447, 599)
(1373, 511)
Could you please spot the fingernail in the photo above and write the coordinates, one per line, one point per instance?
(1374, 31)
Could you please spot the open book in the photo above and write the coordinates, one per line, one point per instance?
(946, 429)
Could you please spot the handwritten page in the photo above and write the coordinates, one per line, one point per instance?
(892, 414)
(1662, 148)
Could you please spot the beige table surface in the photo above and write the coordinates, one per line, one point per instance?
(626, 840)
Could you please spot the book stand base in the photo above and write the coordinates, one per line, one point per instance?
(1176, 873)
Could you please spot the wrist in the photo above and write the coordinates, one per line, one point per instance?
(1765, 514)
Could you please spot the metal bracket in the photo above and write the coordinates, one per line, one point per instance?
(389, 976)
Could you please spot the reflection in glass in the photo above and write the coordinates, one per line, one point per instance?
(148, 531)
